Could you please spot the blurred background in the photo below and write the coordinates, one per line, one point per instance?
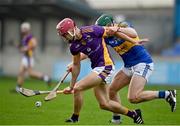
(157, 20)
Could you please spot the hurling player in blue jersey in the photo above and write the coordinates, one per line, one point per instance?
(138, 66)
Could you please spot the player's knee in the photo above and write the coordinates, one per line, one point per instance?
(30, 73)
(132, 99)
(103, 105)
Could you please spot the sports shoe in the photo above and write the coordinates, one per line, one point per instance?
(71, 120)
(138, 117)
(171, 99)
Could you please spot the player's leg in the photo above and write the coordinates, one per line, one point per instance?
(119, 81)
(113, 106)
(22, 71)
(88, 82)
(136, 93)
(36, 74)
(20, 78)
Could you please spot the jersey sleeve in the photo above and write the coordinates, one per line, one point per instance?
(93, 30)
(73, 50)
(99, 31)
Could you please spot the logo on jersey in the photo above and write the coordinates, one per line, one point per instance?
(89, 38)
(77, 46)
(88, 49)
(113, 42)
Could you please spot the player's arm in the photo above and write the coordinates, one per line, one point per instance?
(128, 31)
(125, 37)
(114, 31)
(33, 44)
(75, 69)
(75, 72)
(82, 57)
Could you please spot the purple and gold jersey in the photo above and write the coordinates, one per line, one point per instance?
(26, 41)
(93, 45)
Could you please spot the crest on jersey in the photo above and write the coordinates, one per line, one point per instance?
(89, 38)
(77, 46)
(88, 49)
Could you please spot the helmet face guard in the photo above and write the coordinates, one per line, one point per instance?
(69, 36)
(105, 20)
(66, 29)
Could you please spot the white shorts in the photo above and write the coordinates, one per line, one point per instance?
(105, 72)
(141, 69)
(27, 61)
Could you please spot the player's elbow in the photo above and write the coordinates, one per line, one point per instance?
(130, 32)
(133, 33)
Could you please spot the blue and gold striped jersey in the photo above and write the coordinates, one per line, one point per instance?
(131, 54)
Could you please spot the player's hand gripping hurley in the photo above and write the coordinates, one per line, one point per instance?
(53, 93)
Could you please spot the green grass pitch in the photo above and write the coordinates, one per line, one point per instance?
(19, 110)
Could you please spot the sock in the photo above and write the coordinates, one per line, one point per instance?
(131, 114)
(45, 78)
(163, 94)
(116, 117)
(18, 85)
(166, 93)
(75, 117)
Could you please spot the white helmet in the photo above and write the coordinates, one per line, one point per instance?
(25, 27)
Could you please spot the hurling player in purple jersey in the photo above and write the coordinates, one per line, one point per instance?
(27, 46)
(89, 40)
